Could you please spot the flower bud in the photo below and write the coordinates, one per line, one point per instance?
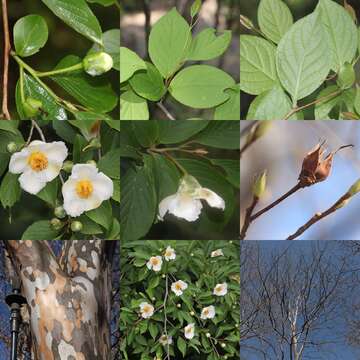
(163, 276)
(223, 345)
(346, 76)
(56, 224)
(246, 22)
(192, 313)
(11, 147)
(59, 212)
(76, 226)
(93, 144)
(355, 188)
(208, 335)
(178, 305)
(259, 185)
(32, 107)
(67, 166)
(97, 63)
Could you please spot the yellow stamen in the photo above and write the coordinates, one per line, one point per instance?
(84, 188)
(38, 161)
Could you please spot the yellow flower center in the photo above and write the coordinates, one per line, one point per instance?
(168, 253)
(178, 286)
(147, 309)
(38, 161)
(155, 261)
(219, 288)
(206, 311)
(188, 330)
(84, 188)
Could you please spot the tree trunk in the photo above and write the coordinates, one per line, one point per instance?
(69, 298)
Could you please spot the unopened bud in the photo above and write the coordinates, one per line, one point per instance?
(76, 226)
(11, 147)
(97, 63)
(259, 185)
(32, 107)
(246, 22)
(178, 305)
(59, 212)
(192, 313)
(56, 224)
(67, 166)
(342, 204)
(346, 76)
(93, 144)
(223, 345)
(208, 335)
(355, 188)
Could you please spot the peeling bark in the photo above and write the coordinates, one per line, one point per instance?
(69, 298)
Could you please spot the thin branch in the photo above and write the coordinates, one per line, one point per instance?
(38, 129)
(247, 220)
(7, 48)
(166, 112)
(318, 216)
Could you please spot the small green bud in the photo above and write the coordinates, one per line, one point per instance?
(246, 22)
(76, 226)
(97, 63)
(11, 147)
(259, 185)
(346, 76)
(67, 166)
(195, 7)
(342, 204)
(59, 212)
(355, 188)
(56, 224)
(32, 107)
(93, 144)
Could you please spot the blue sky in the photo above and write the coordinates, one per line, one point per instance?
(281, 152)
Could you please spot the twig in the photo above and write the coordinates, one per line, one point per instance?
(30, 134)
(322, 99)
(166, 112)
(245, 146)
(297, 187)
(318, 216)
(247, 128)
(38, 129)
(247, 220)
(7, 47)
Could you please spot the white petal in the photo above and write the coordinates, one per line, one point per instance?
(84, 171)
(103, 186)
(185, 207)
(74, 208)
(51, 172)
(30, 183)
(56, 151)
(165, 204)
(212, 198)
(18, 162)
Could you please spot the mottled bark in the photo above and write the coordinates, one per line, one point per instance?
(69, 299)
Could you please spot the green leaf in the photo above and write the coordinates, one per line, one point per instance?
(78, 15)
(40, 230)
(64, 130)
(4, 161)
(137, 192)
(206, 45)
(102, 2)
(153, 329)
(114, 231)
(201, 86)
(115, 124)
(146, 133)
(323, 109)
(133, 107)
(357, 100)
(195, 8)
(232, 170)
(102, 215)
(169, 42)
(171, 132)
(271, 105)
(109, 164)
(130, 62)
(84, 88)
(154, 282)
(116, 194)
(111, 40)
(302, 57)
(30, 35)
(341, 32)
(10, 126)
(10, 190)
(89, 115)
(230, 109)
(148, 84)
(257, 64)
(51, 110)
(89, 227)
(223, 135)
(274, 18)
(49, 192)
(181, 344)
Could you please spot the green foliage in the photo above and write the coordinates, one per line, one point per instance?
(215, 338)
(311, 56)
(155, 155)
(171, 45)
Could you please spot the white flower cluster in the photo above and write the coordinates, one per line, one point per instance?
(178, 288)
(41, 162)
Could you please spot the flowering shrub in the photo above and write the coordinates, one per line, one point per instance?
(180, 299)
(172, 45)
(183, 174)
(71, 175)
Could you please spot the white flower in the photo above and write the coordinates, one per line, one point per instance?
(154, 263)
(178, 287)
(146, 309)
(164, 340)
(186, 202)
(189, 331)
(85, 189)
(169, 254)
(220, 289)
(38, 163)
(208, 312)
(217, 252)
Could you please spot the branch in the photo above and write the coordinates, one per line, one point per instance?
(247, 220)
(167, 113)
(7, 48)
